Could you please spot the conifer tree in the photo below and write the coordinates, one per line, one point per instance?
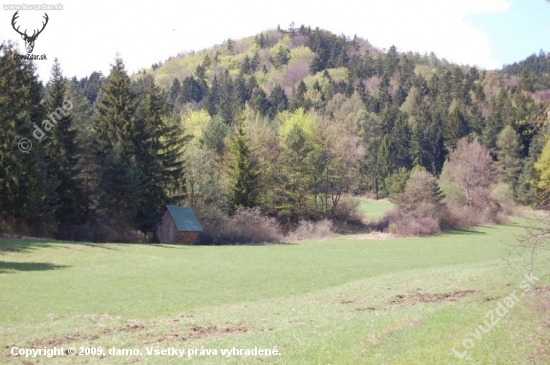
(260, 102)
(299, 99)
(213, 98)
(21, 179)
(384, 166)
(119, 183)
(157, 146)
(63, 155)
(278, 101)
(244, 174)
(508, 154)
(297, 173)
(114, 112)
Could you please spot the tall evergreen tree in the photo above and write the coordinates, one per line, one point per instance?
(21, 179)
(527, 186)
(278, 101)
(384, 166)
(174, 94)
(299, 99)
(456, 125)
(244, 174)
(158, 149)
(63, 155)
(508, 154)
(227, 107)
(119, 183)
(213, 98)
(114, 112)
(260, 102)
(297, 173)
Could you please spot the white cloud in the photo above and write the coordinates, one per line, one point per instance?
(86, 36)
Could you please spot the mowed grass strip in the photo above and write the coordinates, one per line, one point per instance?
(340, 301)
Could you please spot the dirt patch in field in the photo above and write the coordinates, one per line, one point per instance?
(195, 332)
(132, 328)
(211, 330)
(363, 309)
(347, 301)
(417, 296)
(59, 341)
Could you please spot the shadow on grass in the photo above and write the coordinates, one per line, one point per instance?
(27, 245)
(463, 231)
(17, 245)
(7, 267)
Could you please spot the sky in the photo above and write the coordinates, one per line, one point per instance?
(86, 36)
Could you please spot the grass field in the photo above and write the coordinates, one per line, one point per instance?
(345, 300)
(374, 209)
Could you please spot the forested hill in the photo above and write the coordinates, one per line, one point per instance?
(288, 121)
(303, 67)
(423, 104)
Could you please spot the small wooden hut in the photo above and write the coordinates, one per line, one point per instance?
(179, 225)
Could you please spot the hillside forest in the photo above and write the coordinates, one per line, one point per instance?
(286, 126)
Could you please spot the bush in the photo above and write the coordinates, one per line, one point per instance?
(458, 217)
(247, 225)
(419, 208)
(395, 183)
(504, 195)
(347, 211)
(423, 220)
(421, 188)
(312, 230)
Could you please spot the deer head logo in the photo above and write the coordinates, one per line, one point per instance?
(29, 40)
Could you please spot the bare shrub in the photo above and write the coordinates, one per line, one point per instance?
(504, 195)
(420, 189)
(347, 210)
(247, 225)
(467, 178)
(422, 221)
(471, 168)
(458, 217)
(419, 208)
(312, 230)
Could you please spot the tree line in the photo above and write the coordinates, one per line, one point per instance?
(226, 138)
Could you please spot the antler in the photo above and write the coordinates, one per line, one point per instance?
(15, 16)
(34, 34)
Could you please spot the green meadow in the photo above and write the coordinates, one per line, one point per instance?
(345, 300)
(372, 209)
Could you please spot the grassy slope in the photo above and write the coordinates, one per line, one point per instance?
(374, 209)
(318, 302)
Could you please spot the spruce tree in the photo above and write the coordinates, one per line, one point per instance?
(260, 102)
(63, 155)
(213, 98)
(299, 99)
(21, 177)
(244, 174)
(227, 107)
(158, 149)
(297, 174)
(119, 183)
(114, 112)
(508, 154)
(527, 184)
(278, 101)
(384, 166)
